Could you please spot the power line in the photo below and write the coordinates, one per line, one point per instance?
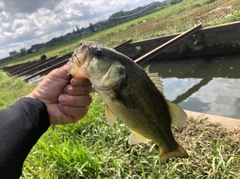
(133, 13)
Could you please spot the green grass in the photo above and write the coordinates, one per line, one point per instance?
(92, 149)
(12, 89)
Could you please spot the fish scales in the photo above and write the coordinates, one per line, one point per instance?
(131, 96)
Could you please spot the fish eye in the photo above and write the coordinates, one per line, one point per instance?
(79, 45)
(98, 53)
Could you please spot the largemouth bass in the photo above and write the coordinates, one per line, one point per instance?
(132, 95)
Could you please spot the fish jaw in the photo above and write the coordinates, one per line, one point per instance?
(79, 72)
(80, 61)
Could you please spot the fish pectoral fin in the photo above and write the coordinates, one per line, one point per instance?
(136, 138)
(178, 115)
(111, 118)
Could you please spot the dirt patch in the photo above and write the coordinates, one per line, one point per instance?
(217, 13)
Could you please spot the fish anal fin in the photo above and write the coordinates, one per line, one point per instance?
(136, 138)
(179, 152)
(178, 115)
(111, 118)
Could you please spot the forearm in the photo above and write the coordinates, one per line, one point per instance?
(21, 125)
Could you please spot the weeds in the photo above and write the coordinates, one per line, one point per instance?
(11, 89)
(92, 149)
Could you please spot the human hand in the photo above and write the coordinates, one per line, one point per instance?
(66, 99)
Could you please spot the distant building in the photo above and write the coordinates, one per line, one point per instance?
(13, 53)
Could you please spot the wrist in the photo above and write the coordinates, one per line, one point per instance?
(30, 95)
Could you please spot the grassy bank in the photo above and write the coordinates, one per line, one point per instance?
(92, 149)
(12, 89)
(172, 19)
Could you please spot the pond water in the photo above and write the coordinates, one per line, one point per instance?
(207, 85)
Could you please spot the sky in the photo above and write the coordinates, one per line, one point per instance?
(24, 23)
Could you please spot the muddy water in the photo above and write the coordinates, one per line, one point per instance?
(209, 85)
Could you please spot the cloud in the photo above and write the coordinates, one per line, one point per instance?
(21, 26)
(8, 34)
(5, 25)
(27, 22)
(26, 6)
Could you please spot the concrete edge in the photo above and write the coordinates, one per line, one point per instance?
(226, 122)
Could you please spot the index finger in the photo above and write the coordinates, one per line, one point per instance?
(80, 82)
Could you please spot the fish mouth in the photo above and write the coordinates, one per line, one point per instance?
(85, 64)
(81, 59)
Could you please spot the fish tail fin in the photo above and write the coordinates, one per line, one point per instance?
(179, 152)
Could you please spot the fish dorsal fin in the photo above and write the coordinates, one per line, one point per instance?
(147, 69)
(136, 138)
(178, 115)
(155, 79)
(111, 118)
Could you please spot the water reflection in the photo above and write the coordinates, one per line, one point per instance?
(204, 85)
(221, 96)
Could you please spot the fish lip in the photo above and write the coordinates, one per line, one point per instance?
(86, 48)
(81, 58)
(81, 47)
